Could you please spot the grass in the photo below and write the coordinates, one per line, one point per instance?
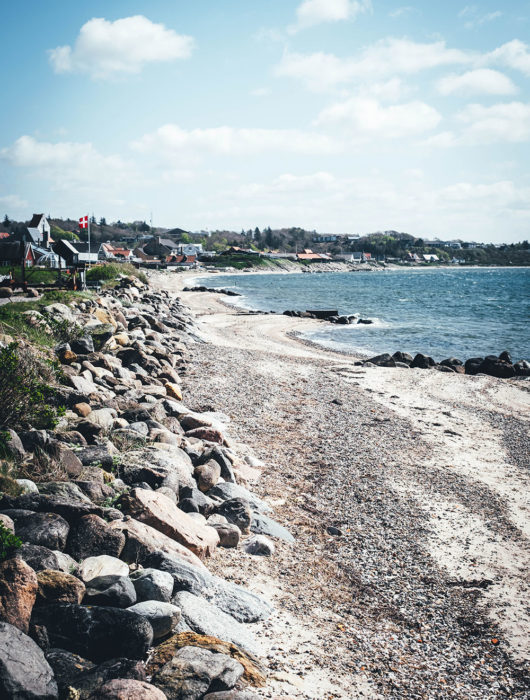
(33, 275)
(107, 272)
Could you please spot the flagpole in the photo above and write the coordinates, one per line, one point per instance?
(88, 219)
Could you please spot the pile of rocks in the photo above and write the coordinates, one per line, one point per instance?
(332, 316)
(501, 366)
(112, 568)
(202, 288)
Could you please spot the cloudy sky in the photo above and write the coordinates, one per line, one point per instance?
(338, 115)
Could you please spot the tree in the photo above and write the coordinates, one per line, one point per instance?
(102, 221)
(93, 219)
(6, 221)
(185, 238)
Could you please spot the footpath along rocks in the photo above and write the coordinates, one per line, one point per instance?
(115, 549)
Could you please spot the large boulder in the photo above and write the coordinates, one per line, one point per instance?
(127, 689)
(102, 565)
(97, 633)
(59, 587)
(207, 475)
(18, 590)
(43, 529)
(24, 672)
(143, 540)
(164, 617)
(92, 536)
(194, 671)
(422, 361)
(496, 367)
(153, 585)
(156, 467)
(384, 360)
(160, 512)
(263, 525)
(237, 511)
(114, 591)
(39, 558)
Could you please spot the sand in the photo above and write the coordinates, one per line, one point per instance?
(452, 451)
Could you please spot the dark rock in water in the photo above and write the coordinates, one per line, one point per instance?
(403, 357)
(82, 346)
(113, 591)
(366, 321)
(496, 367)
(505, 357)
(472, 366)
(522, 368)
(24, 672)
(43, 529)
(97, 633)
(384, 360)
(322, 313)
(422, 361)
(263, 525)
(237, 511)
(193, 671)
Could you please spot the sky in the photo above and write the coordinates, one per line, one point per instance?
(344, 116)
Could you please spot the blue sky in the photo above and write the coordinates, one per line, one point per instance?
(335, 115)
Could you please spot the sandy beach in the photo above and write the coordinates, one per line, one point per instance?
(407, 492)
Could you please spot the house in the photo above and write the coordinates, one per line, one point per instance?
(37, 232)
(139, 254)
(190, 248)
(360, 256)
(308, 256)
(326, 238)
(159, 246)
(13, 252)
(75, 252)
(46, 257)
(107, 251)
(411, 258)
(430, 258)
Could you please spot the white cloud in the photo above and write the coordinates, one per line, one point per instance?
(514, 54)
(312, 12)
(67, 164)
(476, 18)
(13, 201)
(507, 122)
(171, 140)
(400, 11)
(480, 81)
(104, 49)
(386, 58)
(366, 116)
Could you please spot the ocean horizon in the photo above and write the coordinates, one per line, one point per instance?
(442, 312)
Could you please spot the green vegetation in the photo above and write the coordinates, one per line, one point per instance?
(26, 388)
(241, 261)
(8, 542)
(33, 275)
(58, 233)
(110, 271)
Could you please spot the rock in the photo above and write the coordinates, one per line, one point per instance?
(229, 534)
(43, 529)
(59, 587)
(157, 468)
(14, 446)
(7, 522)
(96, 455)
(82, 409)
(232, 695)
(472, 366)
(199, 502)
(452, 362)
(152, 584)
(24, 672)
(403, 357)
(422, 361)
(38, 558)
(384, 360)
(18, 590)
(92, 536)
(6, 292)
(522, 368)
(259, 545)
(207, 475)
(163, 617)
(85, 678)
(114, 591)
(89, 430)
(64, 489)
(173, 391)
(66, 667)
(127, 689)
(97, 633)
(505, 357)
(496, 367)
(193, 671)
(206, 618)
(102, 565)
(225, 491)
(227, 471)
(206, 434)
(160, 512)
(64, 457)
(263, 525)
(82, 346)
(27, 486)
(142, 540)
(104, 417)
(237, 511)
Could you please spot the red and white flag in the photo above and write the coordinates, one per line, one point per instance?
(83, 222)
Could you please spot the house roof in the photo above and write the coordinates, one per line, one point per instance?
(310, 256)
(35, 220)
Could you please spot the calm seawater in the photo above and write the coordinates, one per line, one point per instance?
(440, 312)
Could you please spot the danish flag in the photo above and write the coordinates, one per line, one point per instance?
(83, 222)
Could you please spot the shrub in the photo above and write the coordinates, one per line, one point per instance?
(28, 398)
(8, 542)
(109, 271)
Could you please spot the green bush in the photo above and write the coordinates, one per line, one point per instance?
(109, 271)
(28, 397)
(8, 542)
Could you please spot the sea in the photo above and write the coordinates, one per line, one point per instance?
(441, 312)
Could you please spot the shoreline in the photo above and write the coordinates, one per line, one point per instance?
(443, 439)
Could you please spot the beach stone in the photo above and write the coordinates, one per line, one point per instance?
(495, 367)
(232, 695)
(227, 470)
(63, 489)
(163, 617)
(153, 585)
(18, 590)
(14, 446)
(66, 667)
(102, 565)
(96, 454)
(82, 346)
(27, 486)
(263, 525)
(227, 490)
(229, 534)
(127, 689)
(114, 591)
(259, 546)
(199, 502)
(207, 475)
(159, 512)
(157, 468)
(97, 633)
(43, 529)
(82, 409)
(384, 360)
(193, 671)
(38, 558)
(173, 390)
(237, 511)
(206, 618)
(143, 540)
(59, 587)
(63, 456)
(403, 357)
(207, 434)
(24, 672)
(85, 678)
(522, 368)
(452, 362)
(422, 361)
(92, 536)
(473, 364)
(7, 522)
